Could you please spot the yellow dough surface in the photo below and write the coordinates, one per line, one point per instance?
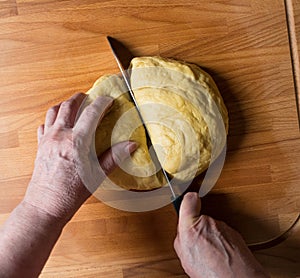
(142, 171)
(184, 114)
(188, 113)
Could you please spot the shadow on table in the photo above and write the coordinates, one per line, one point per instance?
(237, 121)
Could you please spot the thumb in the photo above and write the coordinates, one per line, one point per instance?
(114, 156)
(189, 210)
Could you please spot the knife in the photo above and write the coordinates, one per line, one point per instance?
(123, 58)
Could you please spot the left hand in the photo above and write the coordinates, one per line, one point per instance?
(56, 187)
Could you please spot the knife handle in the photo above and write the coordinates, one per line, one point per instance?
(177, 202)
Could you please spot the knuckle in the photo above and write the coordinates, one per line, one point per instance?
(91, 111)
(193, 232)
(61, 123)
(52, 110)
(203, 224)
(79, 134)
(68, 104)
(205, 219)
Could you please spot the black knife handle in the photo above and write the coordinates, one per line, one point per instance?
(177, 203)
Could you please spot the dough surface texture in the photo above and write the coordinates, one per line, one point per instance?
(184, 114)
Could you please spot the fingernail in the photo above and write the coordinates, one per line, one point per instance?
(131, 146)
(191, 195)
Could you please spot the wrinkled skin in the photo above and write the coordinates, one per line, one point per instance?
(63, 147)
(210, 248)
(56, 190)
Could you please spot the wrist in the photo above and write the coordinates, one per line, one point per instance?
(33, 217)
(59, 200)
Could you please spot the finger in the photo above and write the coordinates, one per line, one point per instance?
(91, 116)
(40, 132)
(51, 116)
(68, 110)
(189, 210)
(116, 155)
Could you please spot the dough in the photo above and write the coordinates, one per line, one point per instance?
(141, 165)
(184, 114)
(185, 93)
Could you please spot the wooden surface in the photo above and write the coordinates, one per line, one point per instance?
(52, 49)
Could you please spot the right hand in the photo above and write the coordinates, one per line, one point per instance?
(210, 248)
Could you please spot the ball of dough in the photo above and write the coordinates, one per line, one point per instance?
(184, 114)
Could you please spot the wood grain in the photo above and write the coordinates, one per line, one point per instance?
(8, 8)
(293, 23)
(52, 49)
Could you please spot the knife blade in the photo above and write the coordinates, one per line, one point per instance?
(119, 49)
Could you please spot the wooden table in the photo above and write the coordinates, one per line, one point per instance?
(52, 49)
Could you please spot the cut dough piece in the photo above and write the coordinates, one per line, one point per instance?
(184, 113)
(142, 171)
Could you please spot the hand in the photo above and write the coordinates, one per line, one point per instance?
(56, 187)
(210, 248)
